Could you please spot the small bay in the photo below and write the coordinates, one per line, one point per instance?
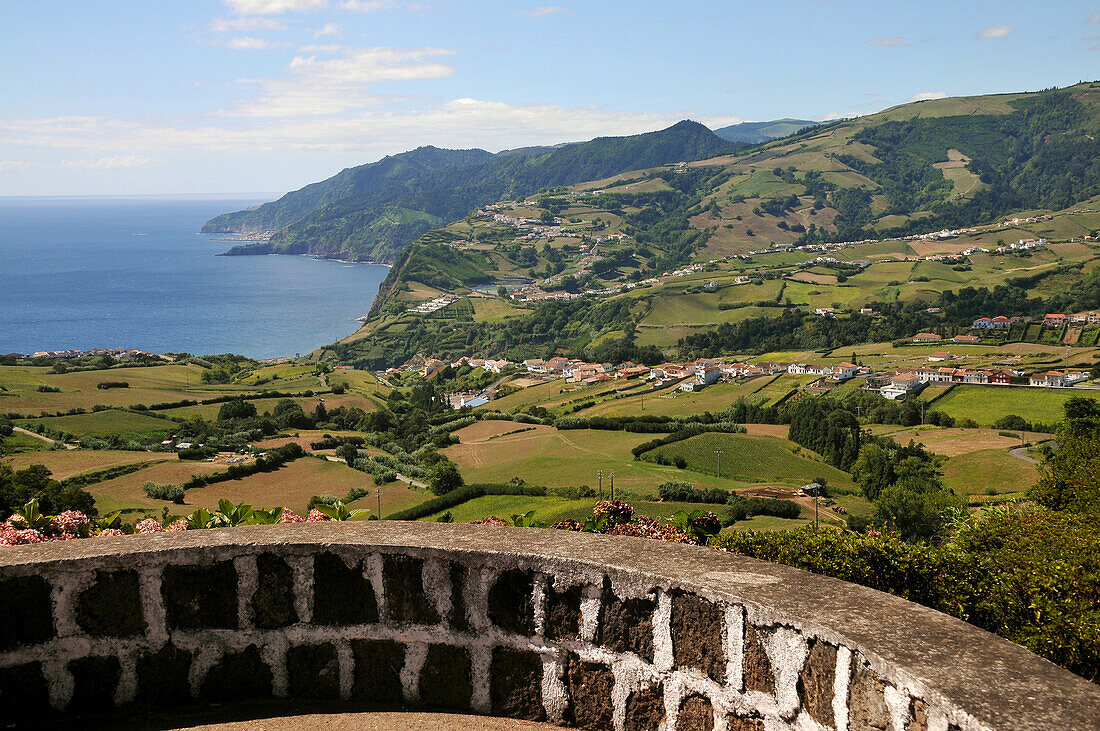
(134, 273)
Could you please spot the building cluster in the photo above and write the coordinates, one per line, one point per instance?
(123, 354)
(431, 367)
(427, 308)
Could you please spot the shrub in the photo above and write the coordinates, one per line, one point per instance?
(48, 389)
(112, 384)
(174, 493)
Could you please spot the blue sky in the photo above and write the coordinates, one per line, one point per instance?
(224, 96)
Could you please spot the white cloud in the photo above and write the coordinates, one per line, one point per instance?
(994, 31)
(316, 86)
(321, 48)
(367, 6)
(108, 163)
(544, 10)
(248, 43)
(1094, 40)
(330, 29)
(273, 7)
(244, 25)
(895, 42)
(14, 164)
(928, 95)
(1093, 19)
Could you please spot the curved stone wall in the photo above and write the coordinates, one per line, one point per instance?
(576, 629)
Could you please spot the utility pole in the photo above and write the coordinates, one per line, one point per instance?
(599, 490)
(815, 508)
(378, 494)
(612, 486)
(719, 453)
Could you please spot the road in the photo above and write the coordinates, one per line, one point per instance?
(36, 435)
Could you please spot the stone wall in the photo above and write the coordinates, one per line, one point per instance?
(579, 630)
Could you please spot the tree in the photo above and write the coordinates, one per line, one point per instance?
(1069, 478)
(444, 477)
(874, 470)
(288, 413)
(320, 413)
(916, 509)
(236, 409)
(348, 453)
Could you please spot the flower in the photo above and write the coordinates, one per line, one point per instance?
(568, 524)
(111, 532)
(316, 516)
(289, 516)
(149, 525)
(651, 529)
(72, 522)
(16, 521)
(707, 523)
(177, 525)
(63, 537)
(615, 511)
(21, 537)
(491, 520)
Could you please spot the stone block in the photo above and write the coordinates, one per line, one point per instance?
(918, 715)
(238, 676)
(510, 603)
(626, 625)
(459, 575)
(563, 613)
(111, 607)
(515, 684)
(758, 668)
(200, 597)
(403, 579)
(24, 693)
(867, 701)
(94, 683)
(377, 676)
(696, 714)
(313, 671)
(815, 682)
(445, 679)
(645, 709)
(697, 635)
(744, 723)
(590, 685)
(26, 614)
(273, 602)
(341, 595)
(163, 677)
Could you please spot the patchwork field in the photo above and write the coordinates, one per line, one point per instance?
(986, 404)
(989, 472)
(749, 459)
(104, 423)
(65, 463)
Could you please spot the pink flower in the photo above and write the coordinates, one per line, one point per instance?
(568, 524)
(289, 516)
(111, 532)
(16, 521)
(873, 533)
(491, 520)
(72, 522)
(21, 537)
(63, 537)
(316, 516)
(616, 511)
(149, 525)
(177, 525)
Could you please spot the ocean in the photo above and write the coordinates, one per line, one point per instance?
(134, 273)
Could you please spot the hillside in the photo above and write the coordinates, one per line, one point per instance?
(752, 230)
(377, 222)
(754, 133)
(364, 179)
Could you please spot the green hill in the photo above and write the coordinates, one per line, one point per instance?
(754, 133)
(362, 180)
(376, 221)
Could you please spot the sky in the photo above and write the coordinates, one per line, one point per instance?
(217, 97)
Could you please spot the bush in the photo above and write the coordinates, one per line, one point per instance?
(1028, 574)
(174, 493)
(112, 384)
(48, 389)
(684, 492)
(742, 508)
(196, 453)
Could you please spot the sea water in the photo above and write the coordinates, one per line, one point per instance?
(79, 273)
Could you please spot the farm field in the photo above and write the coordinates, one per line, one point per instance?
(989, 472)
(104, 423)
(673, 402)
(66, 463)
(953, 442)
(125, 492)
(552, 458)
(987, 404)
(19, 443)
(766, 460)
(550, 509)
